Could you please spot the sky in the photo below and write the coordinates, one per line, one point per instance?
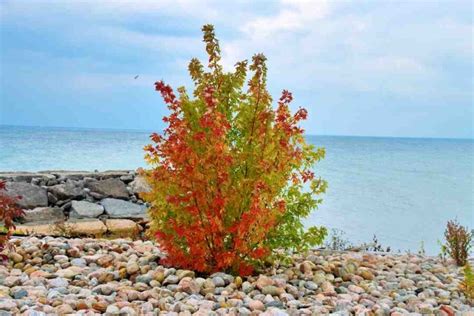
(362, 68)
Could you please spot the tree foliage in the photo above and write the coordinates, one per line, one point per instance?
(231, 176)
(467, 285)
(8, 212)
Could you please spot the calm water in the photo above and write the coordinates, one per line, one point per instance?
(402, 190)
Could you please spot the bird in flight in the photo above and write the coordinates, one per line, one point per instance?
(136, 77)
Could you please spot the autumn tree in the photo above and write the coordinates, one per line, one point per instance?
(231, 175)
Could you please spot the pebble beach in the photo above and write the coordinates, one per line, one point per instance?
(87, 276)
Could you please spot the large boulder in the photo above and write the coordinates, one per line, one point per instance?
(112, 187)
(140, 185)
(67, 191)
(44, 214)
(84, 209)
(31, 195)
(123, 209)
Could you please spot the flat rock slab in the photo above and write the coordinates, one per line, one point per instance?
(90, 227)
(122, 226)
(112, 187)
(84, 209)
(116, 208)
(32, 195)
(38, 229)
(44, 214)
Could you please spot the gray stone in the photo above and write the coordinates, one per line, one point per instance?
(66, 206)
(218, 281)
(247, 287)
(311, 286)
(52, 199)
(122, 209)
(347, 270)
(19, 294)
(32, 312)
(110, 187)
(44, 214)
(274, 311)
(112, 310)
(67, 191)
(84, 209)
(78, 262)
(127, 310)
(31, 195)
(132, 267)
(144, 278)
(244, 311)
(58, 282)
(140, 185)
(171, 279)
(7, 304)
(127, 178)
(96, 195)
(226, 277)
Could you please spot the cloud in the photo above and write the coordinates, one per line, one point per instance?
(293, 16)
(362, 53)
(326, 43)
(354, 49)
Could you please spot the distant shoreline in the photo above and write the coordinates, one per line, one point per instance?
(133, 130)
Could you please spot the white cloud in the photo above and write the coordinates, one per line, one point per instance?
(323, 44)
(293, 15)
(309, 43)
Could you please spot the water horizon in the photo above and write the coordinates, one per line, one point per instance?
(133, 130)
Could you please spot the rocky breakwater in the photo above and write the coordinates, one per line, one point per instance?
(58, 276)
(79, 203)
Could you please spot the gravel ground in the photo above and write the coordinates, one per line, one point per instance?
(58, 276)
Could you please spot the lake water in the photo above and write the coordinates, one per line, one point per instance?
(401, 189)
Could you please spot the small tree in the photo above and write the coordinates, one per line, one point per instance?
(231, 176)
(8, 212)
(458, 242)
